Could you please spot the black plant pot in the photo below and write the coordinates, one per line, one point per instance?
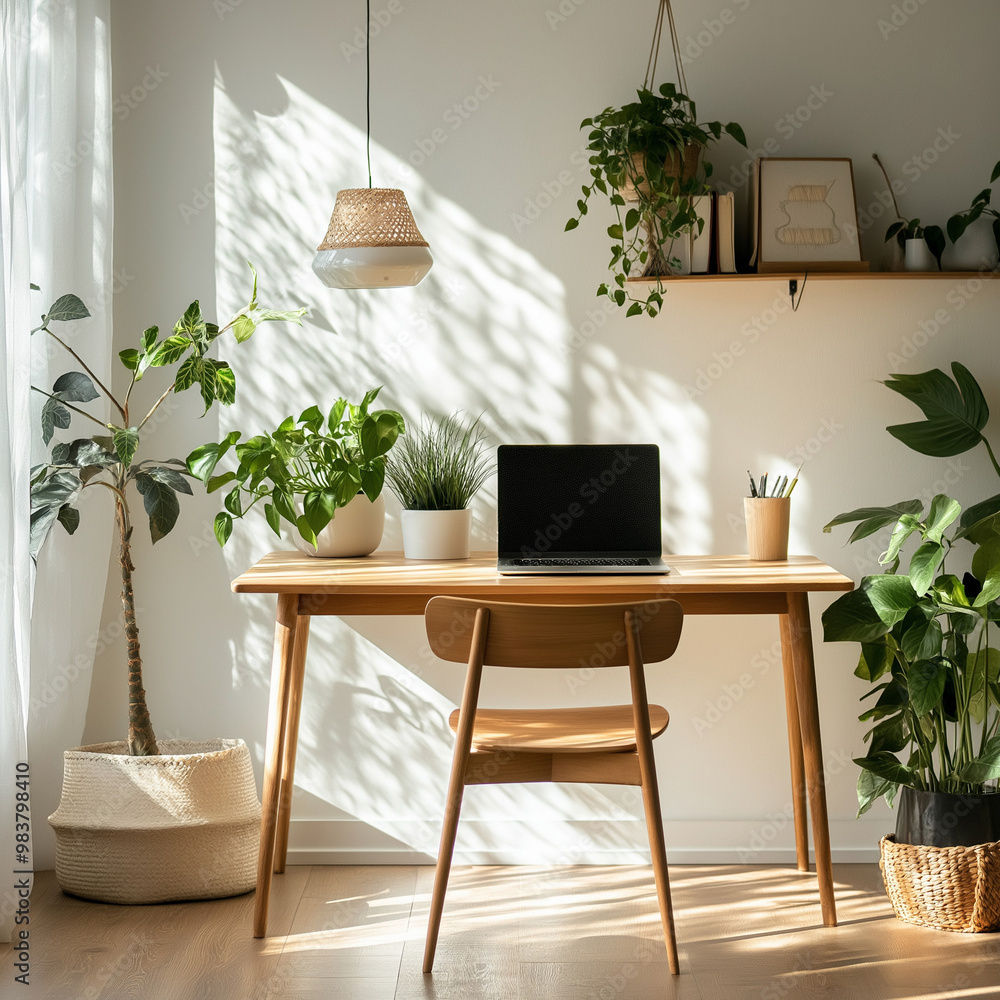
(941, 819)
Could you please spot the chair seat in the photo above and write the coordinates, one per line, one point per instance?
(605, 728)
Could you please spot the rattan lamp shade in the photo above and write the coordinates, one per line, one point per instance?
(372, 242)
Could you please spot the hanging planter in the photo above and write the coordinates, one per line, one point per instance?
(681, 164)
(650, 153)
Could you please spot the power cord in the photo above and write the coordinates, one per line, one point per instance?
(793, 287)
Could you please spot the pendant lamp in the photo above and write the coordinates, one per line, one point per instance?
(373, 240)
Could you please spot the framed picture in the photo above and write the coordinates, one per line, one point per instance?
(806, 217)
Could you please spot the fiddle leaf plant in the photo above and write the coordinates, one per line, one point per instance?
(638, 152)
(305, 470)
(108, 458)
(925, 635)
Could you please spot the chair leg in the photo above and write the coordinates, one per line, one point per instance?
(658, 851)
(456, 785)
(445, 852)
(650, 789)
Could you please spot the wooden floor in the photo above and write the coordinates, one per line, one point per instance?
(571, 933)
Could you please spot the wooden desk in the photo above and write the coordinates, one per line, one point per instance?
(388, 584)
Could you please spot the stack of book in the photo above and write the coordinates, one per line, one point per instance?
(713, 250)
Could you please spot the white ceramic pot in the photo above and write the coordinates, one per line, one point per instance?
(184, 825)
(919, 256)
(976, 249)
(355, 530)
(436, 534)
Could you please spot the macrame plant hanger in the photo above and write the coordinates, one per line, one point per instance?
(665, 10)
(656, 263)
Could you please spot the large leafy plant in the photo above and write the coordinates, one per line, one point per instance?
(639, 149)
(925, 634)
(980, 206)
(304, 470)
(108, 458)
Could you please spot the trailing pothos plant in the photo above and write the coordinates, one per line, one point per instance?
(638, 150)
(306, 469)
(107, 459)
(926, 634)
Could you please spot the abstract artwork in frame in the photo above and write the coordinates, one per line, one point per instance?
(807, 217)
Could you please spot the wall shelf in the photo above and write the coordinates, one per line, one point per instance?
(822, 276)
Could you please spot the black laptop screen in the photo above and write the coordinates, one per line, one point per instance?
(578, 500)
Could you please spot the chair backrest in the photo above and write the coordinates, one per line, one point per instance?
(553, 635)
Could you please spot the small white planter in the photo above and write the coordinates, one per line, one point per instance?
(919, 256)
(356, 530)
(436, 534)
(184, 825)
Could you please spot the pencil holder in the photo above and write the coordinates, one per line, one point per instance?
(767, 527)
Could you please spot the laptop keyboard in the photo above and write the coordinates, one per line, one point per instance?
(628, 561)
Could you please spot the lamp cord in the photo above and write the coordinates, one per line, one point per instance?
(368, 88)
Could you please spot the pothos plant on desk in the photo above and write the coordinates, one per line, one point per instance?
(926, 650)
(191, 806)
(322, 474)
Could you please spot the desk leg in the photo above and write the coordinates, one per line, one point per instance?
(282, 672)
(291, 742)
(795, 747)
(805, 690)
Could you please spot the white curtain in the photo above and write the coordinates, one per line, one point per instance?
(56, 202)
(15, 362)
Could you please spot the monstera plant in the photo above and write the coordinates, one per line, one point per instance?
(927, 633)
(109, 461)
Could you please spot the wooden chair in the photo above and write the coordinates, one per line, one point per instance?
(608, 744)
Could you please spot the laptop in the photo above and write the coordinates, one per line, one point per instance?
(579, 509)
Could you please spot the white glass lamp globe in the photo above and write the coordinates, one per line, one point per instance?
(372, 242)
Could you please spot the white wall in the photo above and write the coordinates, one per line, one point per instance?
(254, 119)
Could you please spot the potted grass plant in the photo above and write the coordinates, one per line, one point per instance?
(322, 474)
(142, 820)
(927, 648)
(435, 473)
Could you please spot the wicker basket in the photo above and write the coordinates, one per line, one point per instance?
(673, 166)
(949, 888)
(184, 825)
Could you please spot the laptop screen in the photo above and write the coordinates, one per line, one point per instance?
(578, 500)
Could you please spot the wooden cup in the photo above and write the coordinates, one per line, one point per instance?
(767, 527)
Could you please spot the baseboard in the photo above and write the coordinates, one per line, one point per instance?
(569, 842)
(682, 856)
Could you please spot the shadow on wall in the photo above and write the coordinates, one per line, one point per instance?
(485, 332)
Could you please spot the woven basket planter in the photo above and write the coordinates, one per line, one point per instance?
(948, 888)
(184, 825)
(673, 166)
